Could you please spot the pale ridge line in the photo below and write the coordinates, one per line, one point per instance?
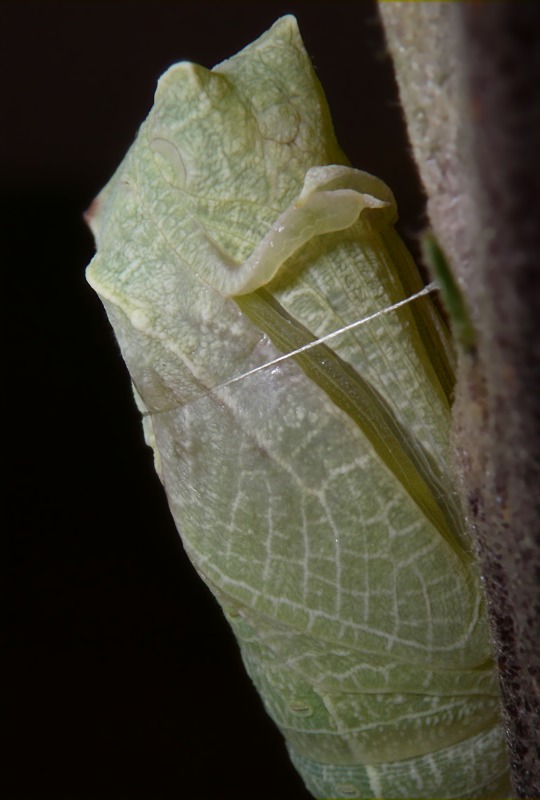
(431, 287)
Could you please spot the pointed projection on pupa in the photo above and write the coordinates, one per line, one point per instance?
(314, 497)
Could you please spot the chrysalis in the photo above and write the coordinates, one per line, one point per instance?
(313, 497)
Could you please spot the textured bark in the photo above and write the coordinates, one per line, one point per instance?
(469, 80)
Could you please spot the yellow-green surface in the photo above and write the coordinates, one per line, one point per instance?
(314, 497)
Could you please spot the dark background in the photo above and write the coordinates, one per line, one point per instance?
(121, 678)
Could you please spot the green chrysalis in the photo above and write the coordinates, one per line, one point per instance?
(314, 497)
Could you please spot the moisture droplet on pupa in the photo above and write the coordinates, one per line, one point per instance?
(300, 708)
(347, 789)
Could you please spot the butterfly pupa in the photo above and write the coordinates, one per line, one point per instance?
(314, 497)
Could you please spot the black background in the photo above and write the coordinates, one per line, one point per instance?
(121, 678)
